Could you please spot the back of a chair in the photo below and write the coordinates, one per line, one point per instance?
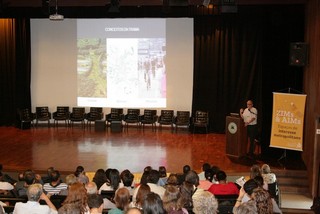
(201, 118)
(57, 200)
(78, 113)
(62, 112)
(43, 113)
(95, 113)
(166, 116)
(26, 115)
(182, 118)
(226, 203)
(116, 114)
(108, 194)
(132, 115)
(149, 116)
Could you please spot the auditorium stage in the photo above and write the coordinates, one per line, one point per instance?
(66, 148)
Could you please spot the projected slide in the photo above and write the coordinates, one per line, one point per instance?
(121, 63)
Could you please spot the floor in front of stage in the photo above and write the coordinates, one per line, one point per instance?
(133, 149)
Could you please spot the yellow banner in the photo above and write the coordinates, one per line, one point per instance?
(287, 121)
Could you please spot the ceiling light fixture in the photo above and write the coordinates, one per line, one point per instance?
(56, 16)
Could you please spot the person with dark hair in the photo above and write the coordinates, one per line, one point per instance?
(205, 166)
(127, 180)
(144, 189)
(28, 178)
(5, 187)
(81, 175)
(153, 204)
(163, 176)
(99, 178)
(206, 184)
(6, 177)
(114, 181)
(185, 170)
(47, 178)
(55, 186)
(35, 194)
(95, 203)
(92, 189)
(186, 191)
(122, 199)
(172, 180)
(171, 202)
(152, 180)
(224, 187)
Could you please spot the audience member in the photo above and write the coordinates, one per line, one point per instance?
(92, 189)
(5, 186)
(171, 202)
(267, 175)
(114, 181)
(99, 178)
(25, 180)
(144, 189)
(81, 175)
(153, 204)
(205, 203)
(6, 177)
(193, 179)
(163, 176)
(224, 187)
(122, 199)
(35, 193)
(263, 201)
(95, 203)
(215, 170)
(55, 186)
(255, 171)
(186, 191)
(246, 208)
(77, 195)
(205, 167)
(185, 170)
(70, 179)
(127, 179)
(69, 209)
(47, 178)
(206, 184)
(152, 180)
(172, 179)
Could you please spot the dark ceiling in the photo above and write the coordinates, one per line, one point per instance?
(127, 8)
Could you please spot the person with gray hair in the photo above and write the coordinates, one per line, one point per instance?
(205, 203)
(35, 194)
(246, 208)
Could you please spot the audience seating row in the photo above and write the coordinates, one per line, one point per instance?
(133, 116)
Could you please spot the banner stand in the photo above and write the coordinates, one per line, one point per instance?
(283, 156)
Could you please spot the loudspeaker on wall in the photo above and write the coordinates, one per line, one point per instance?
(298, 54)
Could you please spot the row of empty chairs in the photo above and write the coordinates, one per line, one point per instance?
(133, 116)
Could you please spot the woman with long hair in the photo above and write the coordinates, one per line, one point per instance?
(122, 200)
(114, 181)
(144, 189)
(171, 202)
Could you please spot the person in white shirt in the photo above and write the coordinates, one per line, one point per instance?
(35, 194)
(250, 116)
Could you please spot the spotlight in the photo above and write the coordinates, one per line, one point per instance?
(56, 16)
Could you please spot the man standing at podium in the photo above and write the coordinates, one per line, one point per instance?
(250, 116)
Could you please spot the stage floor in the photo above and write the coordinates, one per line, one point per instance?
(66, 148)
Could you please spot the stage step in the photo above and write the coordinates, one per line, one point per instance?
(293, 211)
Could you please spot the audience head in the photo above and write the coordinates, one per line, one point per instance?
(91, 188)
(186, 169)
(34, 192)
(147, 169)
(99, 177)
(162, 171)
(55, 176)
(49, 170)
(265, 169)
(127, 178)
(192, 177)
(79, 170)
(221, 176)
(77, 194)
(186, 191)
(29, 177)
(206, 166)
(153, 176)
(115, 180)
(71, 179)
(170, 199)
(95, 202)
(246, 208)
(263, 201)
(143, 190)
(249, 186)
(255, 171)
(259, 180)
(122, 198)
(133, 210)
(153, 204)
(205, 203)
(108, 173)
(144, 177)
(208, 174)
(172, 179)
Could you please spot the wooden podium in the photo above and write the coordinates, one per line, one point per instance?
(236, 137)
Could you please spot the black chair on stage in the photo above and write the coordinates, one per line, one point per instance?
(132, 117)
(149, 117)
(26, 118)
(201, 119)
(78, 114)
(166, 118)
(43, 114)
(116, 115)
(95, 113)
(62, 114)
(182, 119)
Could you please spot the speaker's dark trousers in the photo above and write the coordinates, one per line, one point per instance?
(252, 131)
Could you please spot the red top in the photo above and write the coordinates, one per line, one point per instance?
(224, 189)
